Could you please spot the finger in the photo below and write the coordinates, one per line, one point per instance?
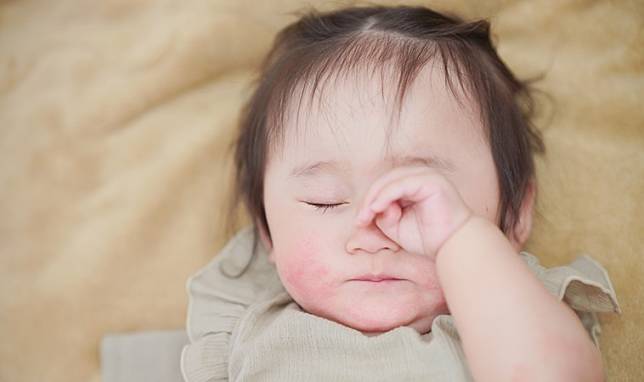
(413, 188)
(396, 173)
(391, 176)
(367, 213)
(389, 221)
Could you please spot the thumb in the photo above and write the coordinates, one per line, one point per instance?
(389, 221)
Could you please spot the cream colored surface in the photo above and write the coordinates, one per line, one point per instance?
(115, 117)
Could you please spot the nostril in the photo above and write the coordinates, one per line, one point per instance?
(393, 247)
(369, 239)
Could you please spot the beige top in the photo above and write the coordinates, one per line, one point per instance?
(248, 328)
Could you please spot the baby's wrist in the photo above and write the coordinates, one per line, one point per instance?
(471, 222)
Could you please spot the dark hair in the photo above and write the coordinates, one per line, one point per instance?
(307, 51)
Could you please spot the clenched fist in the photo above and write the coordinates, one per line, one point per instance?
(417, 207)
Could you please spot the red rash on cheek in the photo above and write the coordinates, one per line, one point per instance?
(303, 273)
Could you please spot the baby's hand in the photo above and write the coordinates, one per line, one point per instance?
(416, 207)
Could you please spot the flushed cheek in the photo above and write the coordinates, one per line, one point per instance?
(304, 276)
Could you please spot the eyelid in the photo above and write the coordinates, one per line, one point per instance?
(325, 206)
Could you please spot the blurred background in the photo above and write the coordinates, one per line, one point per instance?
(115, 122)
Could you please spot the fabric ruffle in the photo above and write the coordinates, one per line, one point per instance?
(583, 285)
(219, 295)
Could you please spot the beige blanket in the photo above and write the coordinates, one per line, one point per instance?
(115, 118)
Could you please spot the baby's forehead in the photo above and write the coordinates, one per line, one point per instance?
(368, 105)
(374, 86)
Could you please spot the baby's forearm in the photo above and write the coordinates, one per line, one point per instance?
(511, 328)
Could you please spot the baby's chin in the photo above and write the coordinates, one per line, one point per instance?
(373, 320)
(375, 325)
(374, 312)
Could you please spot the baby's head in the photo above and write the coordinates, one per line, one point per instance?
(343, 97)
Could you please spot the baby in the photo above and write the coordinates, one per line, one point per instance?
(386, 159)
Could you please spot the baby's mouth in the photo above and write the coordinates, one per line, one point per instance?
(376, 278)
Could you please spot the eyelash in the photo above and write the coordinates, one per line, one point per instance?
(324, 207)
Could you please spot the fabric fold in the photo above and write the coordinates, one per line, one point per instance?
(583, 285)
(219, 295)
(206, 359)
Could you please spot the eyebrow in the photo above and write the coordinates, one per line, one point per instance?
(311, 169)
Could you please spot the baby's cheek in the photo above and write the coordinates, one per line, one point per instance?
(305, 277)
(427, 276)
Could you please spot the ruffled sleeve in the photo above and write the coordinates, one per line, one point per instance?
(583, 284)
(219, 295)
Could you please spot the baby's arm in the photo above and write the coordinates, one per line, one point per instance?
(511, 328)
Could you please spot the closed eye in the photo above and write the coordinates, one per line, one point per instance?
(324, 207)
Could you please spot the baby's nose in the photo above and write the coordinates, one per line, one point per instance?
(369, 239)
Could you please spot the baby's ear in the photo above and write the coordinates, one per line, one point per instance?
(523, 227)
(266, 241)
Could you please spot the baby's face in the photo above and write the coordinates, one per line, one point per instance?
(332, 157)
